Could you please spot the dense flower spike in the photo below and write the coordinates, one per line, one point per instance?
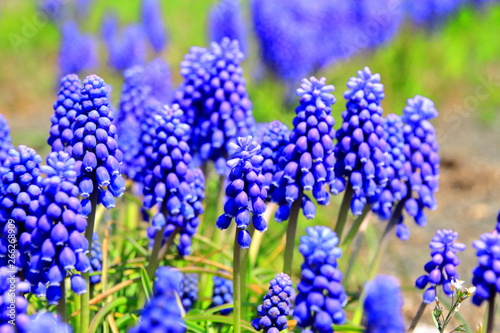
(321, 297)
(153, 24)
(12, 302)
(383, 306)
(57, 243)
(222, 293)
(359, 148)
(422, 159)
(95, 258)
(308, 159)
(246, 192)
(5, 141)
(46, 322)
(94, 147)
(486, 276)
(127, 47)
(20, 190)
(274, 139)
(189, 290)
(226, 21)
(66, 107)
(215, 99)
(393, 147)
(276, 306)
(162, 313)
(158, 76)
(172, 184)
(78, 51)
(441, 269)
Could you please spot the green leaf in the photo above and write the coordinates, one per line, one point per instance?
(348, 328)
(146, 283)
(219, 319)
(460, 328)
(192, 327)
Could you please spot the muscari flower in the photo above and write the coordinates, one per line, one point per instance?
(159, 78)
(95, 258)
(321, 298)
(172, 184)
(153, 24)
(383, 306)
(13, 305)
(95, 149)
(276, 306)
(393, 147)
(216, 101)
(246, 192)
(441, 269)
(55, 10)
(162, 313)
(66, 108)
(20, 190)
(126, 48)
(422, 161)
(275, 137)
(226, 21)
(58, 245)
(307, 160)
(46, 322)
(77, 52)
(486, 276)
(222, 294)
(5, 140)
(189, 290)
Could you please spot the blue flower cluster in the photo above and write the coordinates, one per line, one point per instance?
(441, 269)
(18, 203)
(216, 101)
(486, 276)
(162, 313)
(246, 192)
(57, 245)
(78, 51)
(66, 108)
(126, 47)
(396, 189)
(95, 258)
(153, 24)
(222, 294)
(276, 306)
(189, 290)
(158, 76)
(9, 298)
(226, 21)
(95, 149)
(383, 305)
(5, 140)
(359, 149)
(308, 160)
(172, 183)
(46, 322)
(275, 138)
(321, 297)
(422, 159)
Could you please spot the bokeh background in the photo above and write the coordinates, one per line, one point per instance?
(453, 58)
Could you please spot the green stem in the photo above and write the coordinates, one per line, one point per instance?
(375, 264)
(85, 297)
(344, 211)
(417, 317)
(101, 314)
(219, 210)
(355, 226)
(291, 232)
(154, 259)
(61, 306)
(491, 312)
(237, 284)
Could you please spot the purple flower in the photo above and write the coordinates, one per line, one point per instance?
(442, 268)
(153, 24)
(172, 184)
(127, 47)
(95, 258)
(359, 149)
(246, 192)
(5, 140)
(13, 305)
(383, 306)
(307, 161)
(44, 322)
(189, 290)
(78, 51)
(158, 76)
(274, 139)
(226, 21)
(432, 13)
(18, 203)
(66, 108)
(94, 147)
(276, 306)
(222, 294)
(321, 297)
(486, 276)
